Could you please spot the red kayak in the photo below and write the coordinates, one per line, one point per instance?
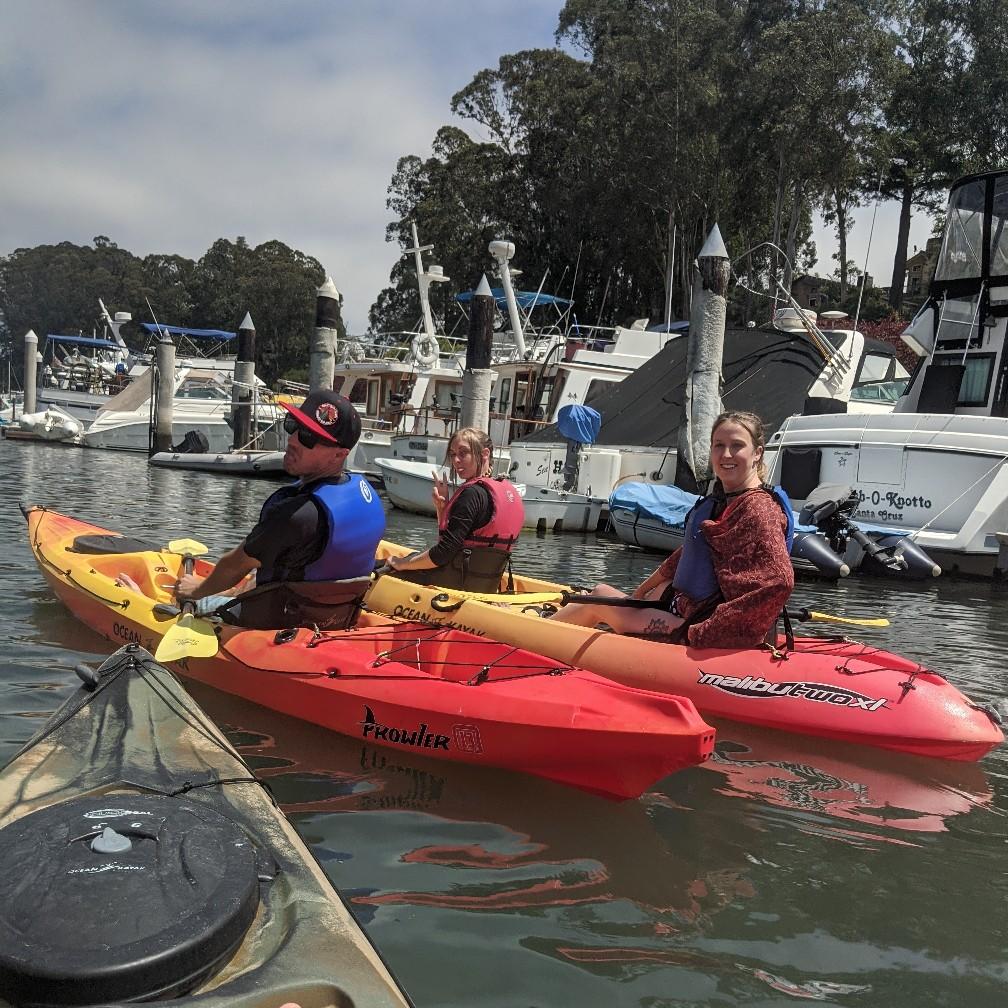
(410, 686)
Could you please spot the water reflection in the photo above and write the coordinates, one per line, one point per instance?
(853, 783)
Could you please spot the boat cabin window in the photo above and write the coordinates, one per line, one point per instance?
(958, 320)
(999, 229)
(880, 378)
(962, 244)
(364, 396)
(337, 383)
(504, 396)
(597, 388)
(976, 381)
(201, 390)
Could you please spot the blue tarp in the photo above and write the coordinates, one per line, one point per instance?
(175, 330)
(668, 504)
(579, 423)
(84, 341)
(527, 299)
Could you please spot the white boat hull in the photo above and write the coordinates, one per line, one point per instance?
(250, 463)
(409, 485)
(943, 478)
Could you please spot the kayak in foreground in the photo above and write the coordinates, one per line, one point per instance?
(140, 859)
(407, 685)
(830, 687)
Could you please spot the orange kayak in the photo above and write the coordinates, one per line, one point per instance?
(407, 685)
(830, 687)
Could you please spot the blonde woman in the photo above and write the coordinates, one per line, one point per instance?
(478, 524)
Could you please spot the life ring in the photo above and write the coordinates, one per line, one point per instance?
(353, 351)
(425, 350)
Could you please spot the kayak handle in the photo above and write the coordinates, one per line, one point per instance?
(443, 603)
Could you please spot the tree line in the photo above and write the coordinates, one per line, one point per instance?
(606, 160)
(55, 289)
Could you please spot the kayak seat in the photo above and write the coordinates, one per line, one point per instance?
(105, 544)
(328, 605)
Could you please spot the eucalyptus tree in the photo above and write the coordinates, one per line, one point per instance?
(925, 114)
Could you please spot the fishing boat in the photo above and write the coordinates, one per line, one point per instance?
(202, 405)
(142, 861)
(832, 687)
(408, 385)
(776, 372)
(406, 685)
(936, 467)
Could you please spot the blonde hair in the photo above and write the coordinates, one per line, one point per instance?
(756, 428)
(476, 441)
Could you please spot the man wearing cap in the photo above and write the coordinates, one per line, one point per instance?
(312, 550)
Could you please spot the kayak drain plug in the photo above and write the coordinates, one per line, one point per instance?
(110, 842)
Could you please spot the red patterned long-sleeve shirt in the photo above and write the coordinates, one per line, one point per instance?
(753, 570)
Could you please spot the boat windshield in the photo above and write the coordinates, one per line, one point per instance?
(999, 228)
(962, 243)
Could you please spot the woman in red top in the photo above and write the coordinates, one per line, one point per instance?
(745, 540)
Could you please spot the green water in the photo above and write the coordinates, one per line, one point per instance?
(788, 870)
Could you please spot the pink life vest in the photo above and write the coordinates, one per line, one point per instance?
(504, 526)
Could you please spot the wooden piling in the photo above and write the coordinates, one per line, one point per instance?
(322, 348)
(477, 380)
(164, 395)
(702, 402)
(244, 384)
(30, 371)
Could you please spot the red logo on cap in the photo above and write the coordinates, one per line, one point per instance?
(327, 414)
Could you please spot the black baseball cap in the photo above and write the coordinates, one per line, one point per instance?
(330, 415)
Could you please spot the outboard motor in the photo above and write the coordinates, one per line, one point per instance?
(830, 506)
(194, 443)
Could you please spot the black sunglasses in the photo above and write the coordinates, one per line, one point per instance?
(307, 438)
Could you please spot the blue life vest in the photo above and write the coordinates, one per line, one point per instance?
(356, 521)
(694, 574)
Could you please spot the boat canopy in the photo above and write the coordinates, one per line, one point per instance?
(527, 299)
(173, 330)
(91, 341)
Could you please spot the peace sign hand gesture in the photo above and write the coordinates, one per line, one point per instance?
(441, 492)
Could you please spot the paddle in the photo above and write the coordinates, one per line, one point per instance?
(808, 616)
(190, 637)
(186, 547)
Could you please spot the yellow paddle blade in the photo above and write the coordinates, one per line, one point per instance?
(819, 617)
(186, 546)
(191, 637)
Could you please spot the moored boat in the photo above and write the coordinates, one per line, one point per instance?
(142, 860)
(268, 464)
(831, 687)
(405, 685)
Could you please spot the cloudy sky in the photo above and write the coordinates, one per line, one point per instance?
(166, 124)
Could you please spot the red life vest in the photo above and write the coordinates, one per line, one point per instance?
(504, 526)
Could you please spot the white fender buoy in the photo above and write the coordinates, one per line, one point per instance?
(353, 351)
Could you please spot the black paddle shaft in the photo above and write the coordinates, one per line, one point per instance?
(188, 563)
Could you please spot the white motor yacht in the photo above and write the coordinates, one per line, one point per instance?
(936, 467)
